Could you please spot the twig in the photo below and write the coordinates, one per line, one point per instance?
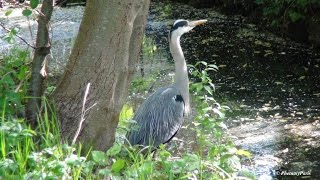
(19, 85)
(29, 27)
(83, 113)
(22, 39)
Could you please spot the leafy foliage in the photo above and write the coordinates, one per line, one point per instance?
(214, 146)
(282, 11)
(14, 74)
(148, 46)
(34, 3)
(38, 154)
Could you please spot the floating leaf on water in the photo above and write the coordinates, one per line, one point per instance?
(222, 66)
(317, 94)
(285, 150)
(276, 107)
(26, 12)
(268, 52)
(242, 152)
(8, 12)
(241, 88)
(259, 118)
(258, 42)
(266, 44)
(283, 120)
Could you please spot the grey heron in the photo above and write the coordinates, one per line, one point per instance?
(161, 115)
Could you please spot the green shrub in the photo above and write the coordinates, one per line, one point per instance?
(283, 11)
(27, 153)
(14, 75)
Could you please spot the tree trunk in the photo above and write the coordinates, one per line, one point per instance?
(35, 90)
(105, 54)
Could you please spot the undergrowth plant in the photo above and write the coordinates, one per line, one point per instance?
(220, 157)
(36, 154)
(27, 153)
(283, 11)
(14, 74)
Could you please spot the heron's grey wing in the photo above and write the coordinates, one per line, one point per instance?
(158, 118)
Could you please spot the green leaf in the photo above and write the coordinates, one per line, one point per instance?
(208, 89)
(295, 16)
(118, 165)
(74, 160)
(8, 12)
(244, 153)
(114, 150)
(201, 62)
(212, 86)
(104, 172)
(13, 31)
(34, 3)
(259, 2)
(26, 12)
(99, 157)
(213, 66)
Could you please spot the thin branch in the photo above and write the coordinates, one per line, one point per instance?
(22, 39)
(21, 83)
(83, 113)
(29, 27)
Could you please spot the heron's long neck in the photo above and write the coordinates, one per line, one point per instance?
(181, 73)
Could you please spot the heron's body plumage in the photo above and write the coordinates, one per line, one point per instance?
(158, 118)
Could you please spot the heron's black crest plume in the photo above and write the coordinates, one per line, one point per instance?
(179, 24)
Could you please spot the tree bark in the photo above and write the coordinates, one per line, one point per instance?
(42, 49)
(105, 54)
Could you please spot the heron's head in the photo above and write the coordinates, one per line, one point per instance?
(182, 26)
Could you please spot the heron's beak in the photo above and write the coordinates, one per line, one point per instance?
(197, 23)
